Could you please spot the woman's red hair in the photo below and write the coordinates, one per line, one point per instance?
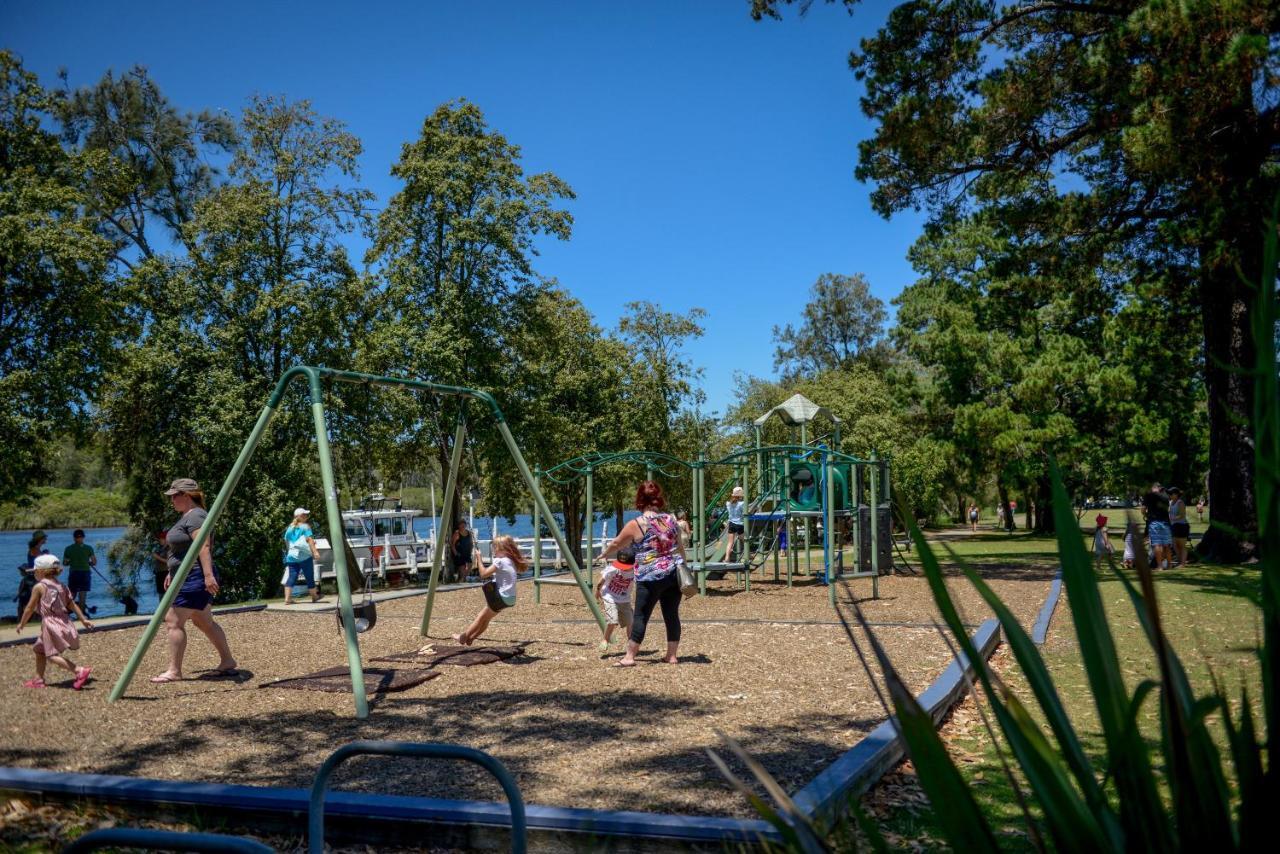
(650, 495)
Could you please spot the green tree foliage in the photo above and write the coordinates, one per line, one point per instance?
(873, 420)
(842, 323)
(1163, 118)
(454, 250)
(661, 378)
(266, 285)
(146, 162)
(566, 400)
(60, 313)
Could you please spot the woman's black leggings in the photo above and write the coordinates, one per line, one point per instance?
(664, 592)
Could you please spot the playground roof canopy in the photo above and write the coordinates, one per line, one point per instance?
(797, 410)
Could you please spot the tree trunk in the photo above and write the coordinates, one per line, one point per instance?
(960, 514)
(1226, 309)
(1234, 196)
(1044, 506)
(1009, 522)
(617, 516)
(571, 507)
(1029, 510)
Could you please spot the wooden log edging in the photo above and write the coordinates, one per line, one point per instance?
(383, 817)
(823, 798)
(870, 759)
(1040, 631)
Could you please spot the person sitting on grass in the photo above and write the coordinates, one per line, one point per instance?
(53, 601)
(499, 589)
(613, 592)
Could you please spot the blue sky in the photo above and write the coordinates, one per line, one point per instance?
(712, 156)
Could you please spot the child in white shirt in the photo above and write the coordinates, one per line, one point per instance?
(613, 592)
(499, 589)
(1130, 537)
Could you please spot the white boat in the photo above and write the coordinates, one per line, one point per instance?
(382, 537)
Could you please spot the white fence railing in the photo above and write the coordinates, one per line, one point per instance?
(419, 565)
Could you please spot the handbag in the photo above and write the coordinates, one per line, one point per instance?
(684, 576)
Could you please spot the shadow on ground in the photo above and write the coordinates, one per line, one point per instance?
(510, 725)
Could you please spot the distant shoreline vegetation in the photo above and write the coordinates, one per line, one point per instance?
(52, 507)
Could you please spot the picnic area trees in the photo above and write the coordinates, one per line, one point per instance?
(566, 399)
(1159, 122)
(146, 162)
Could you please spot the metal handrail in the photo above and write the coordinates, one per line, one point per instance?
(315, 811)
(171, 840)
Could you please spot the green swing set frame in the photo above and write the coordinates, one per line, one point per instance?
(314, 376)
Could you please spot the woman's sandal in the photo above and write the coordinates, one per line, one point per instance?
(82, 676)
(165, 678)
(33, 683)
(624, 664)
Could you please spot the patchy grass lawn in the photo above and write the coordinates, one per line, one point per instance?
(1211, 616)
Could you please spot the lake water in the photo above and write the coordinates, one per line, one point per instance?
(13, 551)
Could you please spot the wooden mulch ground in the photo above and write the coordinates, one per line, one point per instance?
(771, 668)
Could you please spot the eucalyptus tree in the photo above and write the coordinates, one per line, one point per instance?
(842, 323)
(661, 379)
(266, 285)
(147, 163)
(60, 314)
(1163, 118)
(564, 399)
(454, 251)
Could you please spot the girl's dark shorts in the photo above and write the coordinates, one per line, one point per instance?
(1181, 530)
(735, 528)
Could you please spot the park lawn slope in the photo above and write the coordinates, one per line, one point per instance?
(1212, 618)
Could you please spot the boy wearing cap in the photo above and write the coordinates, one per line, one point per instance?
(79, 558)
(300, 556)
(613, 592)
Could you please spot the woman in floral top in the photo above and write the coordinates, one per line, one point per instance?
(656, 538)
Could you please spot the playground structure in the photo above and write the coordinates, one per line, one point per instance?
(798, 486)
(348, 575)
(793, 488)
(585, 467)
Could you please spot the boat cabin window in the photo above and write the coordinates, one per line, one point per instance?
(354, 528)
(393, 525)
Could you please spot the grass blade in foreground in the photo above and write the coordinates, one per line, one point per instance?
(1146, 825)
(956, 811)
(1071, 822)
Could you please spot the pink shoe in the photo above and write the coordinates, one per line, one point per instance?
(33, 683)
(82, 676)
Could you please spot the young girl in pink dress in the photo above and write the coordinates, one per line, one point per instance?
(52, 599)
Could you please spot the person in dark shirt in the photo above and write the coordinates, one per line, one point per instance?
(1156, 505)
(194, 600)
